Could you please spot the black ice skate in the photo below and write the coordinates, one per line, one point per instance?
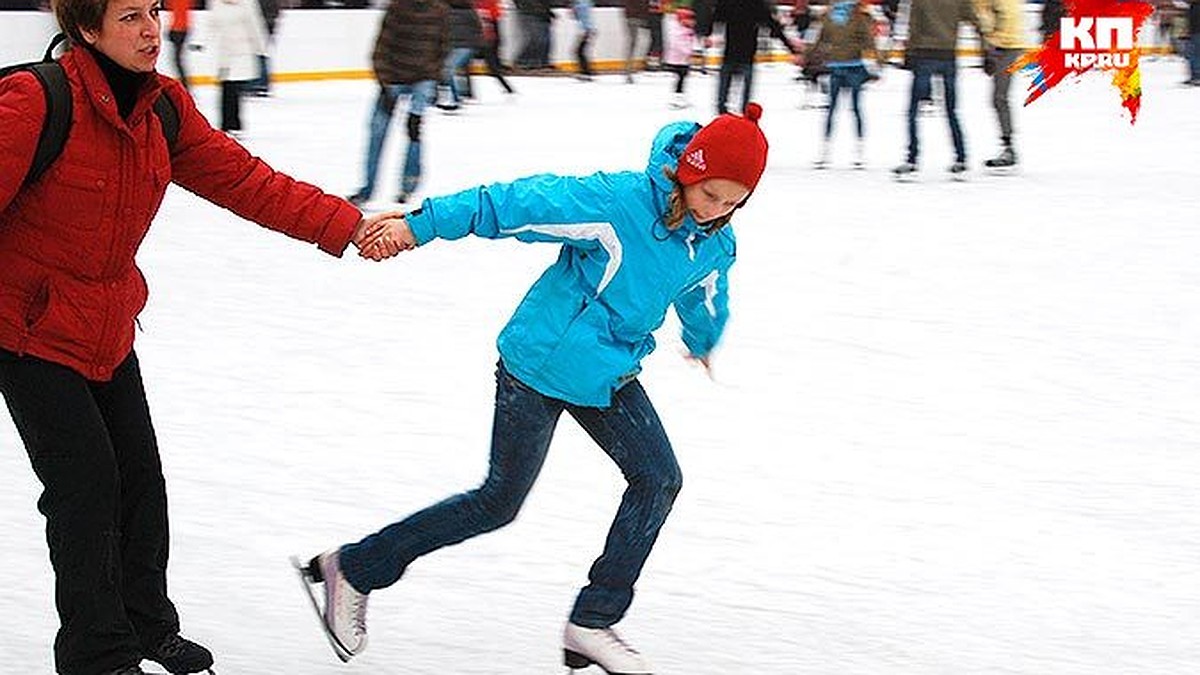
(905, 172)
(958, 171)
(1005, 162)
(180, 656)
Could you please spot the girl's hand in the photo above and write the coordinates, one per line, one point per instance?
(705, 361)
(391, 236)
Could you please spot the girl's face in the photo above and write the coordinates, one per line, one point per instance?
(129, 34)
(713, 198)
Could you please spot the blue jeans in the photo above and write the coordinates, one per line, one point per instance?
(458, 58)
(263, 83)
(629, 431)
(1194, 57)
(923, 71)
(420, 95)
(725, 78)
(846, 77)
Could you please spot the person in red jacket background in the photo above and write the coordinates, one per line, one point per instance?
(181, 11)
(70, 291)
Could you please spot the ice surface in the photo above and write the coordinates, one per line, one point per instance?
(954, 427)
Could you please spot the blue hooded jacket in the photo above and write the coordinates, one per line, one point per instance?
(585, 325)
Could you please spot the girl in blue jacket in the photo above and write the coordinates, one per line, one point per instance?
(634, 244)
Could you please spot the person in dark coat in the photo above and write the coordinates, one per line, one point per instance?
(742, 19)
(70, 294)
(534, 17)
(931, 51)
(466, 36)
(1194, 42)
(637, 21)
(1052, 11)
(413, 42)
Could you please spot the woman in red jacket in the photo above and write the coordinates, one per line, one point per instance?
(69, 294)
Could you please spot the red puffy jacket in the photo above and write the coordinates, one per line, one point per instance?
(69, 287)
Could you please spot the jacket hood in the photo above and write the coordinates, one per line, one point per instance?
(666, 150)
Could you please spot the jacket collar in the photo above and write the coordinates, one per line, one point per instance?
(665, 152)
(99, 92)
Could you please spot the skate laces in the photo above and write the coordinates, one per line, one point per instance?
(171, 646)
(353, 605)
(615, 638)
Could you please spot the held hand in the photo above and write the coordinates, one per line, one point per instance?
(705, 361)
(369, 226)
(390, 238)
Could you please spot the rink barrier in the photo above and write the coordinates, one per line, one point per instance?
(336, 44)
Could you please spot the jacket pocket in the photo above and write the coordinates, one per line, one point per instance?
(57, 323)
(80, 196)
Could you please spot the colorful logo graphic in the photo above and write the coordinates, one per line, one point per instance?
(1095, 35)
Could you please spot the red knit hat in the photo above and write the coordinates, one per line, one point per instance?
(731, 146)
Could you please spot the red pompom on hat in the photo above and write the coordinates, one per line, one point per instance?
(731, 147)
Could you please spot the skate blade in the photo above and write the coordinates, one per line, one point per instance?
(575, 661)
(1001, 170)
(307, 584)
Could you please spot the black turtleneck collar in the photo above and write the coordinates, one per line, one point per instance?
(125, 83)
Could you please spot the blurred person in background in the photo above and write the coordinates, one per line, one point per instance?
(1003, 21)
(633, 245)
(70, 294)
(466, 36)
(239, 35)
(181, 19)
(270, 13)
(490, 12)
(637, 21)
(584, 12)
(679, 35)
(931, 50)
(408, 59)
(742, 19)
(847, 39)
(654, 20)
(700, 50)
(1052, 12)
(1194, 42)
(535, 17)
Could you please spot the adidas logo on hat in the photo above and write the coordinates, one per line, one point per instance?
(696, 159)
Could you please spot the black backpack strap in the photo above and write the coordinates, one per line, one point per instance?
(57, 125)
(54, 42)
(168, 117)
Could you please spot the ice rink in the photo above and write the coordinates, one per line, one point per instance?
(954, 427)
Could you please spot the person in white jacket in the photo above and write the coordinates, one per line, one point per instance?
(240, 36)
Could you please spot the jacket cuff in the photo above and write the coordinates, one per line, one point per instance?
(340, 229)
(421, 224)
